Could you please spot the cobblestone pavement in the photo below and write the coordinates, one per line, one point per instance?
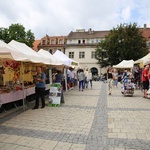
(88, 120)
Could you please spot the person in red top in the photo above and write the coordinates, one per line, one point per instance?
(145, 80)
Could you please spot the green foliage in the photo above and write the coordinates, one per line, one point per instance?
(122, 43)
(17, 32)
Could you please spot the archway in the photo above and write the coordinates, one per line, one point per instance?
(94, 71)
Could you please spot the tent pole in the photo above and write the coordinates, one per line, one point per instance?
(23, 92)
(50, 75)
(65, 79)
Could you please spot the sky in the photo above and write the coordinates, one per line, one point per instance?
(60, 17)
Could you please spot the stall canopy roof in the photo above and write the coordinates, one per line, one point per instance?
(69, 62)
(54, 60)
(8, 52)
(29, 52)
(125, 64)
(143, 59)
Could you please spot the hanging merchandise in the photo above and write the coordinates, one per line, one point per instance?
(12, 65)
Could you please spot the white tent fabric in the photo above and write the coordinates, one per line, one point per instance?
(125, 64)
(68, 62)
(8, 52)
(143, 59)
(54, 60)
(29, 52)
(146, 61)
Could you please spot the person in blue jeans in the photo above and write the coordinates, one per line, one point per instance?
(81, 78)
(39, 88)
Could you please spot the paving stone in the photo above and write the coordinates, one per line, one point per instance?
(91, 120)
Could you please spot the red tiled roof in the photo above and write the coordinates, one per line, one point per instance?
(88, 34)
(145, 32)
(35, 44)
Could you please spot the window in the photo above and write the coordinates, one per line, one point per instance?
(71, 54)
(92, 54)
(83, 41)
(43, 42)
(60, 41)
(70, 41)
(81, 54)
(52, 42)
(97, 41)
(79, 41)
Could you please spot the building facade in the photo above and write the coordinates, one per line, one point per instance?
(52, 43)
(81, 46)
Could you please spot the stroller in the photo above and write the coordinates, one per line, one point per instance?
(128, 86)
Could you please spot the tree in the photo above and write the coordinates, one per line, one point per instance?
(29, 38)
(17, 32)
(122, 43)
(4, 34)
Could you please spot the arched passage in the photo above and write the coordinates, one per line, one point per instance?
(94, 71)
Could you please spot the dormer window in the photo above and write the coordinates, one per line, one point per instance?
(52, 42)
(43, 42)
(60, 41)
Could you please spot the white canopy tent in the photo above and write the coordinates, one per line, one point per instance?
(125, 64)
(54, 60)
(68, 62)
(8, 52)
(146, 61)
(143, 59)
(29, 52)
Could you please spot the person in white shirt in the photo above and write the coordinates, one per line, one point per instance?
(89, 79)
(81, 78)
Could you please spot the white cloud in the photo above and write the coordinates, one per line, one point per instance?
(59, 17)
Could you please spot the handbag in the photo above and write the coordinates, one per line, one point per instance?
(148, 92)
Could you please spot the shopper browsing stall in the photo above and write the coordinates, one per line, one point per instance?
(39, 88)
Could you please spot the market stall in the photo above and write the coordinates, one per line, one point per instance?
(68, 62)
(18, 71)
(144, 60)
(125, 64)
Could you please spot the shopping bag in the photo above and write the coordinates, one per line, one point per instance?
(148, 92)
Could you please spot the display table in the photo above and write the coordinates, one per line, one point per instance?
(18, 95)
(12, 96)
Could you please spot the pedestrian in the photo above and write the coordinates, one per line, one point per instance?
(89, 79)
(73, 77)
(59, 77)
(110, 79)
(85, 80)
(81, 78)
(39, 88)
(69, 76)
(145, 80)
(115, 78)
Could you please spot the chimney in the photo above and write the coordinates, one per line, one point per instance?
(145, 26)
(90, 31)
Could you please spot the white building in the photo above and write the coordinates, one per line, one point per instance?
(81, 45)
